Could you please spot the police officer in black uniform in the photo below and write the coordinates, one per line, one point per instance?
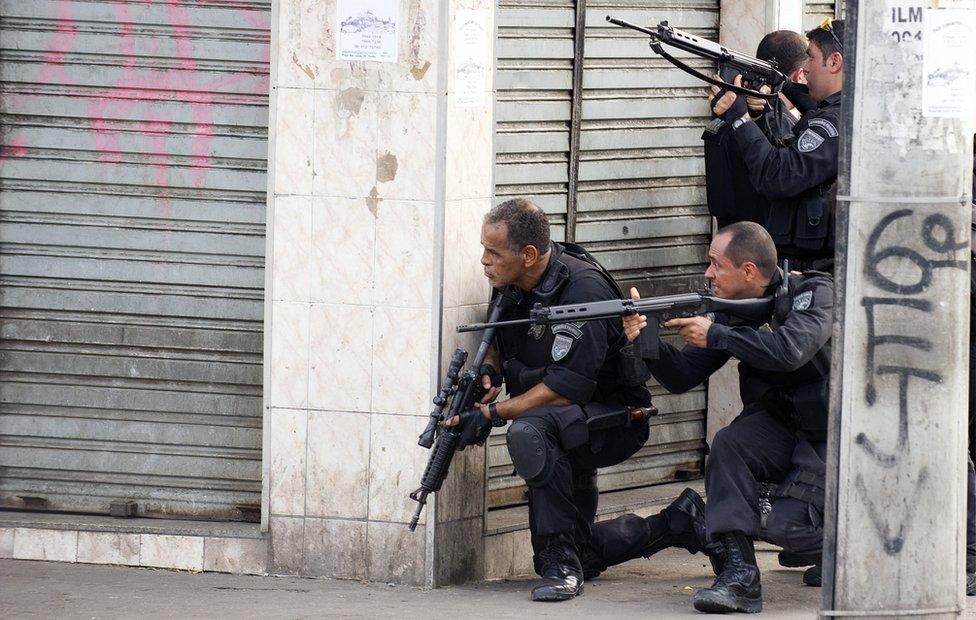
(570, 412)
(730, 195)
(783, 380)
(798, 178)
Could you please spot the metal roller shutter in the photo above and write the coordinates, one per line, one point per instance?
(132, 212)
(815, 11)
(624, 177)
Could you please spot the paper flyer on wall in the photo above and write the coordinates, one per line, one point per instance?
(948, 63)
(470, 53)
(367, 30)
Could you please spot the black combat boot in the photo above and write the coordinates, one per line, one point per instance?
(813, 576)
(737, 588)
(562, 575)
(685, 520)
(681, 524)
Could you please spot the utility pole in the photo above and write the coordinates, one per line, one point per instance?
(896, 501)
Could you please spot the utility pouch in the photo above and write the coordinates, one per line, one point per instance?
(814, 221)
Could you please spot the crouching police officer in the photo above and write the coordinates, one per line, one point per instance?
(570, 413)
(783, 379)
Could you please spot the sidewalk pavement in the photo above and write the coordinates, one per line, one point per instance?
(657, 588)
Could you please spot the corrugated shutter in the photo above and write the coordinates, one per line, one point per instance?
(637, 201)
(815, 11)
(132, 212)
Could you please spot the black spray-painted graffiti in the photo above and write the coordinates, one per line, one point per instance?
(938, 234)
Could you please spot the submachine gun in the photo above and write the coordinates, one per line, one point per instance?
(755, 72)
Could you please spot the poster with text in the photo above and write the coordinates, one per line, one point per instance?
(367, 30)
(470, 55)
(948, 63)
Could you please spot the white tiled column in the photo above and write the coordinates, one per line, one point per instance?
(379, 185)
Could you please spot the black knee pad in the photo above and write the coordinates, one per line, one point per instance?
(530, 452)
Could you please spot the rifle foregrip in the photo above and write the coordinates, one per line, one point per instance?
(439, 462)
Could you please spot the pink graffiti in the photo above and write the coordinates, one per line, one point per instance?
(141, 93)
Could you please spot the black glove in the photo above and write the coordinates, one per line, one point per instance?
(799, 96)
(495, 376)
(737, 110)
(474, 428)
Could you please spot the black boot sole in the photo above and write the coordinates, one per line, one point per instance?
(712, 602)
(555, 597)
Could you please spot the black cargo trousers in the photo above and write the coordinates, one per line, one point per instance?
(557, 454)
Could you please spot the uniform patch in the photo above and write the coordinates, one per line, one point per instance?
(809, 141)
(561, 346)
(536, 331)
(824, 124)
(802, 301)
(570, 329)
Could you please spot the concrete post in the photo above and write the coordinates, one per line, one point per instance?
(896, 477)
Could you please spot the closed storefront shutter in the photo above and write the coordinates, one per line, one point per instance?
(132, 213)
(815, 11)
(623, 177)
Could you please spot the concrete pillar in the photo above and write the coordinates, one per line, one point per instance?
(896, 479)
(378, 180)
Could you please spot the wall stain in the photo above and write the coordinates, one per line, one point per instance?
(310, 70)
(418, 73)
(351, 100)
(373, 200)
(386, 167)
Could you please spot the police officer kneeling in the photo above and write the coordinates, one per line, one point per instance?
(570, 413)
(783, 381)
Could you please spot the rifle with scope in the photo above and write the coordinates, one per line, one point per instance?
(755, 72)
(459, 392)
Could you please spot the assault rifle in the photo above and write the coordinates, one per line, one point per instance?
(755, 72)
(753, 310)
(459, 392)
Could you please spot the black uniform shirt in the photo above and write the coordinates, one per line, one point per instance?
(578, 361)
(797, 178)
(809, 160)
(781, 356)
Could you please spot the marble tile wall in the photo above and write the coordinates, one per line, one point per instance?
(192, 553)
(373, 259)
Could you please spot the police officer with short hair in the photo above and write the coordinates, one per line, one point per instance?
(798, 178)
(729, 192)
(570, 411)
(783, 382)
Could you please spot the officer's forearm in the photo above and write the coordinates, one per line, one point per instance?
(538, 396)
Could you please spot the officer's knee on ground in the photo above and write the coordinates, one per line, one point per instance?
(530, 451)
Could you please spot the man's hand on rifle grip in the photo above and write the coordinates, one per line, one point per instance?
(634, 323)
(491, 381)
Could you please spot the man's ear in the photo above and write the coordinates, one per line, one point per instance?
(836, 61)
(530, 254)
(750, 270)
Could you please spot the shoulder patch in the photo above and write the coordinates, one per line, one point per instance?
(802, 301)
(824, 124)
(570, 329)
(809, 141)
(561, 346)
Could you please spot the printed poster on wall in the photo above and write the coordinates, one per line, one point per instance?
(470, 52)
(948, 63)
(367, 30)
